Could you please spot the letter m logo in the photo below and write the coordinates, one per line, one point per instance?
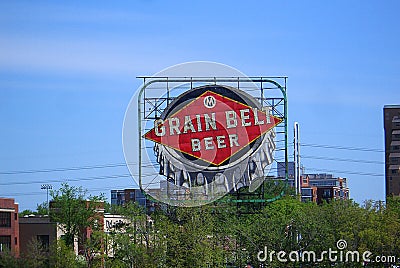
(210, 102)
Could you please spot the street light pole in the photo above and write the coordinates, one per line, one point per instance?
(47, 187)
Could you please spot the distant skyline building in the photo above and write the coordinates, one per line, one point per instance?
(323, 187)
(122, 197)
(391, 114)
(282, 169)
(316, 187)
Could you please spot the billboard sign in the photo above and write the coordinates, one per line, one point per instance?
(215, 125)
(200, 136)
(212, 139)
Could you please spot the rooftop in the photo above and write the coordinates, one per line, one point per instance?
(34, 219)
(397, 106)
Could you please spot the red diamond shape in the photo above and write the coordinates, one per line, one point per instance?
(212, 133)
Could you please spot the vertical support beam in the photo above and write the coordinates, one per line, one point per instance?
(297, 173)
(262, 92)
(167, 92)
(286, 134)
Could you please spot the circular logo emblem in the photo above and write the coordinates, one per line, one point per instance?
(209, 102)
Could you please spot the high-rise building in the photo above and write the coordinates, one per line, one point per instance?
(391, 114)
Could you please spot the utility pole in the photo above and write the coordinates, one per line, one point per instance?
(47, 187)
(297, 166)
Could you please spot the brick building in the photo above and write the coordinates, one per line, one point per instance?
(323, 187)
(9, 226)
(317, 187)
(35, 227)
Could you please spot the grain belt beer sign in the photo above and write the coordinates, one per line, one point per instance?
(211, 140)
(217, 124)
(196, 131)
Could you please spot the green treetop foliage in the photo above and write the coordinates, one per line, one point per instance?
(221, 234)
(41, 209)
(74, 211)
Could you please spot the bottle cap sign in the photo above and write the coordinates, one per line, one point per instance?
(212, 127)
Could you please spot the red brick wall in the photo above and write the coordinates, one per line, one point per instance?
(5, 205)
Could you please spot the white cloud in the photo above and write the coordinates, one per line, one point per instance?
(122, 57)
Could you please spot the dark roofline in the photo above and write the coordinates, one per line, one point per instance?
(394, 106)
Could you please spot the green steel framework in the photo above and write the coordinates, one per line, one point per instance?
(148, 80)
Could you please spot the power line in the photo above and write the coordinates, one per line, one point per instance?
(106, 177)
(60, 169)
(363, 149)
(343, 159)
(348, 172)
(112, 165)
(15, 172)
(42, 193)
(67, 180)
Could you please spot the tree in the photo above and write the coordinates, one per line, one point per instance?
(8, 260)
(76, 215)
(26, 212)
(62, 256)
(190, 237)
(130, 241)
(41, 209)
(36, 256)
(220, 234)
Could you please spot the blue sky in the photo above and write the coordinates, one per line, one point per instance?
(67, 73)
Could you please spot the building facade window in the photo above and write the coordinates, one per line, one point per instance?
(5, 219)
(394, 160)
(5, 242)
(326, 193)
(306, 192)
(44, 240)
(395, 148)
(306, 199)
